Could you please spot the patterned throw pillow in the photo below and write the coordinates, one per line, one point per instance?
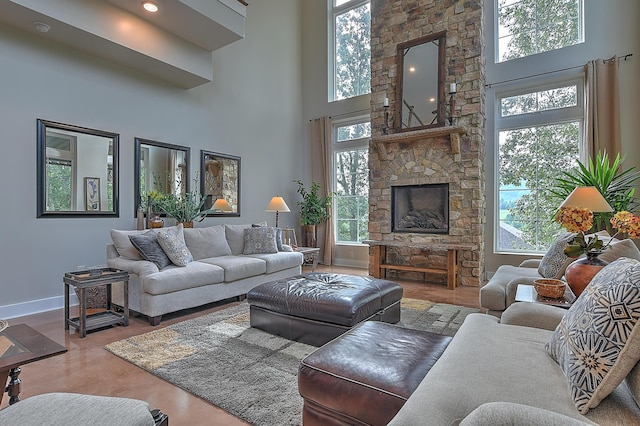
(596, 343)
(278, 235)
(147, 245)
(554, 262)
(260, 240)
(172, 242)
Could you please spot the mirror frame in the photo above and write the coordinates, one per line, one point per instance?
(441, 121)
(42, 126)
(136, 167)
(203, 155)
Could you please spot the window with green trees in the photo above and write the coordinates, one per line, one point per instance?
(351, 178)
(527, 27)
(351, 53)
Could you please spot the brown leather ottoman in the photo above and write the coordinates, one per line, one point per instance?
(317, 307)
(366, 375)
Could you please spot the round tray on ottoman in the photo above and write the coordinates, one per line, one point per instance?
(317, 307)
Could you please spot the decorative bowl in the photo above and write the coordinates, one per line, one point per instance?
(551, 288)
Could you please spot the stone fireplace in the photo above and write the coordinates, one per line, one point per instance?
(450, 156)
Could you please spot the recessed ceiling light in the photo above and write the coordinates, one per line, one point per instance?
(41, 27)
(150, 6)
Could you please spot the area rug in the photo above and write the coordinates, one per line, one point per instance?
(247, 372)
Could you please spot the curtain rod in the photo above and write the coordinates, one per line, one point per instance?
(555, 71)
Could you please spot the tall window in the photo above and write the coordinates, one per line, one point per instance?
(538, 138)
(60, 172)
(351, 48)
(351, 179)
(527, 27)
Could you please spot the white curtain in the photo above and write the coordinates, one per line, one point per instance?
(602, 124)
(321, 155)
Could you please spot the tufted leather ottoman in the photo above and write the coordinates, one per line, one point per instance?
(317, 307)
(366, 375)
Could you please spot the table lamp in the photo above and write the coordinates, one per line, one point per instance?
(277, 205)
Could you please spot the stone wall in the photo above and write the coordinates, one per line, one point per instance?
(430, 157)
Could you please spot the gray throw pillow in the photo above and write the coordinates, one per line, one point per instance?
(172, 242)
(147, 245)
(596, 343)
(278, 235)
(260, 240)
(555, 262)
(204, 243)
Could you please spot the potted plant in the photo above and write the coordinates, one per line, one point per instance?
(314, 210)
(185, 208)
(615, 185)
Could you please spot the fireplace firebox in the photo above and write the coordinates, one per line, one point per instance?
(420, 208)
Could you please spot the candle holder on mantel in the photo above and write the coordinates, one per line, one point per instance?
(385, 125)
(452, 104)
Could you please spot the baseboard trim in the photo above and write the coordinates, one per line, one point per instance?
(35, 306)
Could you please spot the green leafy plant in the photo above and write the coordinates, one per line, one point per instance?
(184, 207)
(615, 184)
(313, 208)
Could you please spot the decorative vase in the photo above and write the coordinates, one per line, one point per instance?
(156, 222)
(308, 236)
(187, 224)
(580, 272)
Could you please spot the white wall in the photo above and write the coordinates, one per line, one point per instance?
(611, 29)
(251, 110)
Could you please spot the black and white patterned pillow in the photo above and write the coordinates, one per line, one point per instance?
(260, 240)
(172, 242)
(596, 343)
(554, 262)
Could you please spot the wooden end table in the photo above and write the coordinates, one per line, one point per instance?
(310, 255)
(81, 281)
(528, 293)
(19, 345)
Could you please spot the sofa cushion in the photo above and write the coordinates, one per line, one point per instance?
(235, 237)
(172, 242)
(280, 261)
(123, 245)
(554, 262)
(623, 248)
(150, 249)
(175, 278)
(260, 240)
(596, 343)
(633, 381)
(207, 242)
(238, 267)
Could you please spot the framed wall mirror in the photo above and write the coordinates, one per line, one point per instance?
(420, 95)
(160, 167)
(77, 171)
(220, 183)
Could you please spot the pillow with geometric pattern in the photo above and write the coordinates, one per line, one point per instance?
(172, 242)
(596, 343)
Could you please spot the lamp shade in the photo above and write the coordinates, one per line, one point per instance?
(587, 197)
(221, 205)
(277, 204)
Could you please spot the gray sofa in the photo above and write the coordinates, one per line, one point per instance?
(220, 270)
(497, 372)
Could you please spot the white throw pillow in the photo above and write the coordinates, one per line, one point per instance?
(555, 262)
(172, 242)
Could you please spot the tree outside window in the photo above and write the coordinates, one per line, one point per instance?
(352, 48)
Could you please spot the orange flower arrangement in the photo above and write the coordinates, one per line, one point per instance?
(580, 220)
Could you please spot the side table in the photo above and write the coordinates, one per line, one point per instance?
(81, 281)
(310, 256)
(528, 293)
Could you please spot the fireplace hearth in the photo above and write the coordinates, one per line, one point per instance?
(420, 208)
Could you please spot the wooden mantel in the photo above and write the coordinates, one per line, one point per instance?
(453, 132)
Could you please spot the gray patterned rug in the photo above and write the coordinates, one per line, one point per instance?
(245, 371)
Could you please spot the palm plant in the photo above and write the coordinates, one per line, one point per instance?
(616, 185)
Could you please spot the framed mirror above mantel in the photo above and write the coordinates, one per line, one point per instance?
(420, 93)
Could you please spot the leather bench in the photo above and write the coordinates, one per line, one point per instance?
(366, 375)
(315, 308)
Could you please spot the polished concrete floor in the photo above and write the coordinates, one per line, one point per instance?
(90, 369)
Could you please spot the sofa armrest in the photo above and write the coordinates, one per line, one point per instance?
(512, 288)
(530, 263)
(140, 267)
(509, 413)
(534, 315)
